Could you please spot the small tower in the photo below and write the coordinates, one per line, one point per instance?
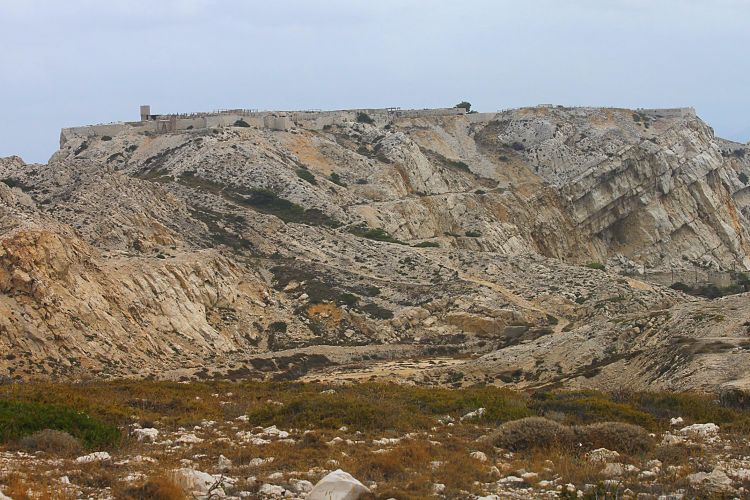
(145, 112)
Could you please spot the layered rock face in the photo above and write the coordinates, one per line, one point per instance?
(248, 252)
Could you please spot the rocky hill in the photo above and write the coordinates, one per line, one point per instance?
(439, 249)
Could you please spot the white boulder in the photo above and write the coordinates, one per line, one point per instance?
(301, 485)
(197, 482)
(224, 463)
(715, 481)
(701, 430)
(272, 490)
(189, 439)
(473, 414)
(147, 434)
(602, 455)
(338, 485)
(97, 456)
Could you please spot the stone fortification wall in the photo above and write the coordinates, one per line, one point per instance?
(669, 112)
(271, 120)
(285, 120)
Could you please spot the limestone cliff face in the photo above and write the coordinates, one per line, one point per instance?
(239, 251)
(659, 191)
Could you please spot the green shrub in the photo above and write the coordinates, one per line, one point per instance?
(596, 265)
(532, 433)
(348, 299)
(332, 411)
(695, 407)
(458, 164)
(377, 234)
(584, 407)
(106, 138)
(709, 291)
(305, 174)
(11, 183)
(376, 311)
(241, 123)
(363, 117)
(743, 177)
(19, 419)
(464, 104)
(500, 405)
(278, 327)
(266, 201)
(427, 244)
(617, 436)
(336, 179)
(473, 234)
(50, 441)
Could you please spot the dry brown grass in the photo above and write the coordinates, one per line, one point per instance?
(574, 468)
(50, 441)
(156, 488)
(401, 463)
(37, 488)
(370, 411)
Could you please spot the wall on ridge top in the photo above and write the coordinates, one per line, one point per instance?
(311, 120)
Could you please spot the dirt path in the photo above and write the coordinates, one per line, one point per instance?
(512, 297)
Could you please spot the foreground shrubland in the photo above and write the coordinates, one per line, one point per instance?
(251, 439)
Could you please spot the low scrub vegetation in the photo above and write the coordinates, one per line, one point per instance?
(377, 234)
(52, 442)
(306, 175)
(336, 179)
(617, 436)
(36, 422)
(596, 265)
(427, 244)
(363, 117)
(709, 291)
(405, 438)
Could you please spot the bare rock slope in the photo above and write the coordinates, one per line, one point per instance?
(463, 239)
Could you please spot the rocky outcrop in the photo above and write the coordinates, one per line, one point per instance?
(244, 252)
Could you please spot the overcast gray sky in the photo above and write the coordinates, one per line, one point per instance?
(76, 62)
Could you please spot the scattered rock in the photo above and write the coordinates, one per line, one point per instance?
(271, 490)
(602, 455)
(478, 413)
(613, 470)
(147, 434)
(188, 439)
(197, 482)
(715, 481)
(224, 463)
(338, 485)
(701, 430)
(301, 485)
(97, 456)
